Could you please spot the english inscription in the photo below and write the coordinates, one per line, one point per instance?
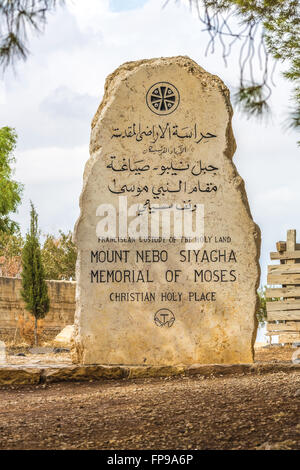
(168, 252)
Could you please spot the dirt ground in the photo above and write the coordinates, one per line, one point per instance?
(236, 412)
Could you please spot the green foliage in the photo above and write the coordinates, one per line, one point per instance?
(11, 244)
(10, 253)
(262, 29)
(262, 308)
(34, 288)
(59, 257)
(261, 312)
(17, 17)
(251, 99)
(265, 28)
(10, 190)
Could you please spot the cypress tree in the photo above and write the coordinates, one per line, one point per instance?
(34, 288)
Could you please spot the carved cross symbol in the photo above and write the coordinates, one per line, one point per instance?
(162, 98)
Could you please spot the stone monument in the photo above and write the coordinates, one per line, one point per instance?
(167, 268)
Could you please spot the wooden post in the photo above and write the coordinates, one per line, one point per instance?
(291, 246)
(291, 243)
(286, 309)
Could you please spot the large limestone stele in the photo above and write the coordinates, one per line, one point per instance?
(162, 135)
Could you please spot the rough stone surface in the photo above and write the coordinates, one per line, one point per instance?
(178, 159)
(81, 373)
(155, 371)
(19, 375)
(65, 337)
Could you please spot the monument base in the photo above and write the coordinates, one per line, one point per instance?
(37, 374)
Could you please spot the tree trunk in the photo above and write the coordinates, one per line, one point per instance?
(35, 332)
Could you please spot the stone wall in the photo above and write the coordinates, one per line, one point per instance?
(62, 304)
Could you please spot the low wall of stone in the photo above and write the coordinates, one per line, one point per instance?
(62, 304)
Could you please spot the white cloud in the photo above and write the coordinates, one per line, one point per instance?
(53, 180)
(51, 165)
(54, 95)
(2, 93)
(65, 103)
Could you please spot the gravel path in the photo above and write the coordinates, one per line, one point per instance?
(236, 412)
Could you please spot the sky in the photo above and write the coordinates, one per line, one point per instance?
(51, 98)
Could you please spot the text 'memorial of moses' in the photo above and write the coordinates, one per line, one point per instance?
(167, 268)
